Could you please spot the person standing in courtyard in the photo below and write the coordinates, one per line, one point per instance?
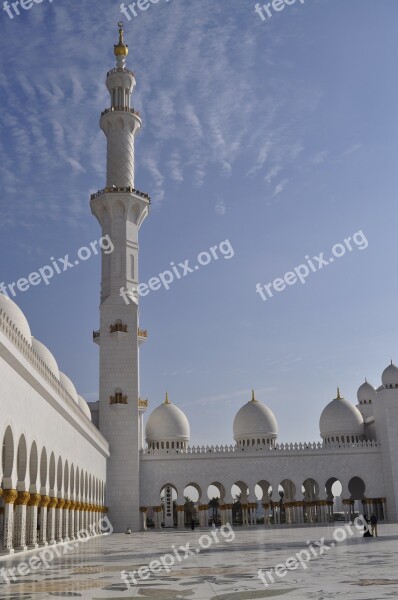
(373, 524)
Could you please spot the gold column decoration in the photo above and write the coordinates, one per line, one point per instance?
(53, 503)
(1, 492)
(78, 505)
(143, 509)
(10, 496)
(22, 499)
(60, 503)
(203, 507)
(67, 504)
(44, 501)
(72, 505)
(34, 500)
(180, 508)
(157, 508)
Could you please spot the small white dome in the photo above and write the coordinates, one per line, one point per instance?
(390, 376)
(255, 420)
(46, 356)
(167, 423)
(16, 316)
(366, 392)
(340, 417)
(68, 385)
(84, 406)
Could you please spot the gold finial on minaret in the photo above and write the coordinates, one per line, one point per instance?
(338, 394)
(121, 49)
(167, 401)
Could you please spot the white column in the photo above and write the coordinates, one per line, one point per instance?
(180, 516)
(20, 521)
(51, 520)
(9, 497)
(32, 511)
(77, 514)
(44, 502)
(143, 511)
(58, 519)
(71, 525)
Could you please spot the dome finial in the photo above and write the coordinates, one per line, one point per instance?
(338, 394)
(167, 401)
(253, 396)
(121, 50)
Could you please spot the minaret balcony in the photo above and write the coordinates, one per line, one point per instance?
(142, 404)
(123, 190)
(121, 108)
(120, 330)
(120, 70)
(142, 335)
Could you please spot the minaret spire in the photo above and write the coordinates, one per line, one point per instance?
(121, 50)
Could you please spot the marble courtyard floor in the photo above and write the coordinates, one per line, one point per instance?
(355, 569)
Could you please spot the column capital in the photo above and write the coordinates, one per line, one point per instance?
(60, 503)
(143, 509)
(10, 496)
(22, 499)
(67, 504)
(34, 500)
(44, 501)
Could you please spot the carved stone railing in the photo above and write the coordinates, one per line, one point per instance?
(121, 108)
(299, 448)
(120, 70)
(115, 190)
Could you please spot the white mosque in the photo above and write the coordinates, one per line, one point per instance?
(64, 463)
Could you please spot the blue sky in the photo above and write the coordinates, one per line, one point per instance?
(280, 136)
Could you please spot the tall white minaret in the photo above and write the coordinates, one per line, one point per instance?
(120, 209)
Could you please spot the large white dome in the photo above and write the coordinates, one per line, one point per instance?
(255, 421)
(389, 377)
(84, 406)
(365, 392)
(68, 385)
(46, 356)
(167, 423)
(15, 314)
(341, 418)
